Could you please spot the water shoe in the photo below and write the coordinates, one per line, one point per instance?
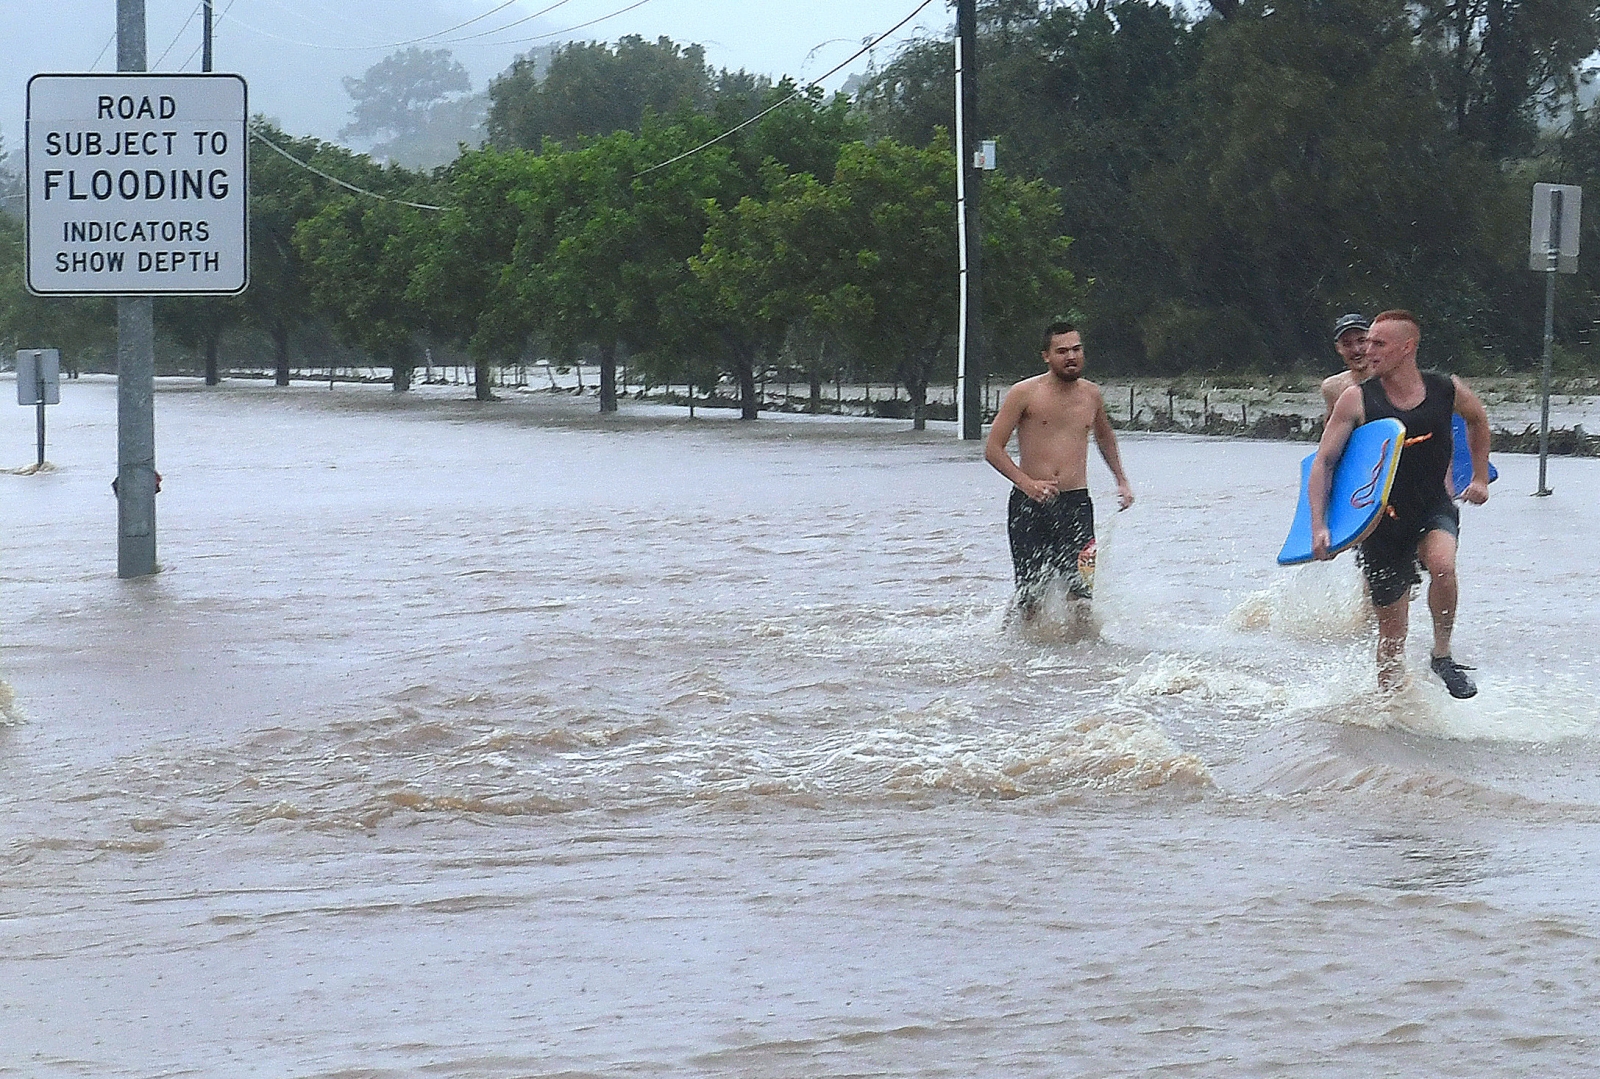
(1454, 677)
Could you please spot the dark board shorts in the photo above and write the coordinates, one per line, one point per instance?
(1049, 541)
(1389, 555)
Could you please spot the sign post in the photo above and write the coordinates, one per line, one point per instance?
(39, 384)
(136, 188)
(1552, 249)
(969, 335)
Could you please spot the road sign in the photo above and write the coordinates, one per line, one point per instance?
(137, 184)
(38, 376)
(1558, 205)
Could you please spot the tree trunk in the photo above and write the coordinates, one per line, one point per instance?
(815, 404)
(745, 363)
(400, 375)
(918, 392)
(485, 392)
(280, 351)
(212, 378)
(608, 376)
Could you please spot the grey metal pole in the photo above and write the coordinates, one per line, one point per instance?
(972, 376)
(1552, 266)
(212, 378)
(136, 374)
(205, 35)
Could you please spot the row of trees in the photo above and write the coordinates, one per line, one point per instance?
(698, 260)
(1230, 183)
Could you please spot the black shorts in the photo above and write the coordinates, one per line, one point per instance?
(1389, 555)
(1051, 540)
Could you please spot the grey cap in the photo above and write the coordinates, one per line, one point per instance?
(1350, 322)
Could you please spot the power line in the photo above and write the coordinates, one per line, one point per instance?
(215, 22)
(868, 47)
(256, 134)
(570, 29)
(110, 41)
(176, 37)
(439, 33)
(509, 25)
(439, 38)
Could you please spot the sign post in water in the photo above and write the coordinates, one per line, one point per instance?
(1552, 249)
(136, 188)
(39, 384)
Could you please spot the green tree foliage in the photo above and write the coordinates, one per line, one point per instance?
(590, 88)
(359, 255)
(1318, 174)
(870, 256)
(462, 282)
(418, 107)
(618, 240)
(83, 329)
(282, 195)
(198, 322)
(1230, 182)
(1503, 65)
(1085, 98)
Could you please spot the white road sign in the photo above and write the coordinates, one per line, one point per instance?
(38, 376)
(136, 184)
(1547, 230)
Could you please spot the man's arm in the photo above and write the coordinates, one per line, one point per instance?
(1348, 413)
(1106, 438)
(1471, 409)
(995, 452)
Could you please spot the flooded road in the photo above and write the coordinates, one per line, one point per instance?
(505, 739)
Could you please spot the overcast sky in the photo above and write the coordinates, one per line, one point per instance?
(294, 52)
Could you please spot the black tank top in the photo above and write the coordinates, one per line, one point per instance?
(1419, 481)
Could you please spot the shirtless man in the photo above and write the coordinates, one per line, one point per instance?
(1051, 520)
(1350, 342)
(1422, 522)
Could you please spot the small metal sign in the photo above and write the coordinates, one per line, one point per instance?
(984, 156)
(38, 376)
(1557, 210)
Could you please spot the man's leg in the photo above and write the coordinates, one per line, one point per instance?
(1393, 620)
(1027, 552)
(1437, 553)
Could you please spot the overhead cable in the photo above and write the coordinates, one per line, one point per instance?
(216, 22)
(554, 33)
(176, 37)
(515, 22)
(110, 41)
(256, 134)
(447, 30)
(868, 47)
(439, 39)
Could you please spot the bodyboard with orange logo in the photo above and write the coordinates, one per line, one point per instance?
(1360, 491)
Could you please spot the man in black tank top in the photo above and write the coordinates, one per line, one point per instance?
(1422, 522)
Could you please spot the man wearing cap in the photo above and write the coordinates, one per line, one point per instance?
(1421, 523)
(1350, 342)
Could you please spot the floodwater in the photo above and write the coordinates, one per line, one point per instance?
(503, 739)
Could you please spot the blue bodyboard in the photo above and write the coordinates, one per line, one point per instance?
(1359, 493)
(1461, 459)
